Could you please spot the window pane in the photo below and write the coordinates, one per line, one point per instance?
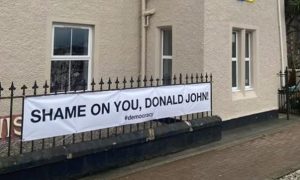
(167, 42)
(79, 75)
(247, 75)
(234, 74)
(80, 41)
(234, 41)
(62, 41)
(167, 71)
(247, 47)
(59, 75)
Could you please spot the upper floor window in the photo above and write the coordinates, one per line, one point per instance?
(248, 57)
(242, 77)
(167, 56)
(234, 60)
(71, 57)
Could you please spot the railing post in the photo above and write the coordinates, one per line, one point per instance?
(12, 89)
(93, 85)
(35, 87)
(23, 88)
(287, 94)
(1, 89)
(46, 86)
(211, 94)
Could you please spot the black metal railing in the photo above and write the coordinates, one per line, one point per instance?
(288, 94)
(12, 103)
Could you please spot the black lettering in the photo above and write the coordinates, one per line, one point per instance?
(193, 97)
(199, 97)
(106, 108)
(162, 100)
(174, 100)
(58, 114)
(81, 111)
(45, 114)
(206, 96)
(35, 114)
(124, 104)
(117, 105)
(147, 103)
(180, 99)
(70, 113)
(134, 106)
(169, 100)
(96, 109)
(155, 101)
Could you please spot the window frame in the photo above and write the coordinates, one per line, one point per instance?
(248, 59)
(71, 57)
(168, 57)
(235, 59)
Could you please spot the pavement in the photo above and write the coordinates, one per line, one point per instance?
(265, 150)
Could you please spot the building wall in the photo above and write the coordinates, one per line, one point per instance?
(186, 18)
(26, 36)
(201, 43)
(220, 19)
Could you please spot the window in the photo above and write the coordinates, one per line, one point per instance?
(248, 45)
(71, 57)
(242, 59)
(234, 60)
(167, 56)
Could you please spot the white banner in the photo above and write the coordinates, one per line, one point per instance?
(57, 115)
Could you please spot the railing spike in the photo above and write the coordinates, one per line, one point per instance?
(163, 80)
(180, 78)
(175, 79)
(35, 87)
(66, 86)
(186, 78)
(46, 86)
(131, 82)
(151, 81)
(109, 83)
(117, 83)
(145, 81)
(23, 88)
(124, 82)
(101, 83)
(157, 81)
(12, 87)
(93, 84)
(138, 81)
(84, 85)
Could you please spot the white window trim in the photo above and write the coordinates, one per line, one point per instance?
(75, 58)
(162, 53)
(249, 59)
(236, 59)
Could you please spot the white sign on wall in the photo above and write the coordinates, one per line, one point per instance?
(57, 115)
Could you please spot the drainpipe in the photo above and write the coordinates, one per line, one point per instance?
(143, 41)
(144, 26)
(281, 36)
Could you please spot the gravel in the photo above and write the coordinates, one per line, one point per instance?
(293, 176)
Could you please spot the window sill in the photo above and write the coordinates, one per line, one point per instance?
(235, 90)
(248, 93)
(249, 89)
